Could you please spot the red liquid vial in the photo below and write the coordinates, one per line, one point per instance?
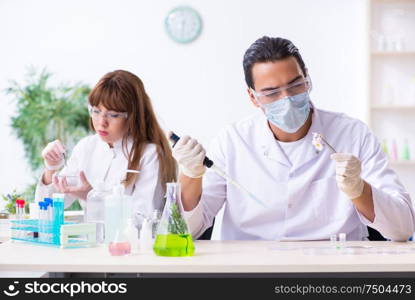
(119, 249)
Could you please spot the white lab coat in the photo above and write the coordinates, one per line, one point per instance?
(103, 163)
(303, 200)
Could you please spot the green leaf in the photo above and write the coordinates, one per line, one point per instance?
(177, 224)
(45, 113)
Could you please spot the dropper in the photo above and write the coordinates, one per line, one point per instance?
(64, 159)
(209, 163)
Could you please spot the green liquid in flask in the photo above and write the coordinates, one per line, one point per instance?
(174, 245)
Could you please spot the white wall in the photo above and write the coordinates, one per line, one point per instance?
(196, 88)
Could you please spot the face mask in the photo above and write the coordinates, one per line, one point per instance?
(289, 113)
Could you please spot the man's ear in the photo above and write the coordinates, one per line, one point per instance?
(252, 97)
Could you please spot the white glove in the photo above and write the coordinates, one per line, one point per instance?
(348, 169)
(190, 155)
(53, 155)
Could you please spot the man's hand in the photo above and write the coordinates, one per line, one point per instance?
(190, 155)
(348, 169)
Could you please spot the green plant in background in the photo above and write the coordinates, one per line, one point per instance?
(11, 201)
(28, 193)
(45, 113)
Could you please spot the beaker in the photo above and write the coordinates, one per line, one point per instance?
(173, 237)
(72, 179)
(120, 245)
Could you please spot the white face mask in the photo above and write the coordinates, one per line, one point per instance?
(289, 113)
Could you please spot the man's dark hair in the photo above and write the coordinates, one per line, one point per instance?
(269, 49)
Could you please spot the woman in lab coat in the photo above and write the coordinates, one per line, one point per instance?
(127, 136)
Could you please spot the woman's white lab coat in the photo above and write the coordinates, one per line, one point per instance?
(302, 199)
(102, 163)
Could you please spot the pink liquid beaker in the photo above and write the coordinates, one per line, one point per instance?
(119, 249)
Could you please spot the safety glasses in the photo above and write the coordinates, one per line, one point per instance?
(95, 113)
(299, 86)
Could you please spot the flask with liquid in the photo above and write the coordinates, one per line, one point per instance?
(120, 245)
(173, 237)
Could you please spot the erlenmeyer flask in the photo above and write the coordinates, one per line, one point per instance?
(120, 245)
(173, 237)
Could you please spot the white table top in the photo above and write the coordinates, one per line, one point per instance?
(215, 257)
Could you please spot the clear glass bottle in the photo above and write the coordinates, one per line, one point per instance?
(95, 209)
(113, 212)
(155, 220)
(131, 232)
(146, 239)
(173, 237)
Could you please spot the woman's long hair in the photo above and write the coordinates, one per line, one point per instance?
(122, 91)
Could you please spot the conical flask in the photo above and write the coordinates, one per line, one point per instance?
(120, 245)
(173, 237)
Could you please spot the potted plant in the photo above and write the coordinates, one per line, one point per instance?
(45, 113)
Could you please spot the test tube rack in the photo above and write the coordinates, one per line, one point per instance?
(67, 235)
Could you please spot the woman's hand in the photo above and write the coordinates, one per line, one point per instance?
(52, 155)
(80, 191)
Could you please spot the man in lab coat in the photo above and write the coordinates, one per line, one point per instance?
(299, 193)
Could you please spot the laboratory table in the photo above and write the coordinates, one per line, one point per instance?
(229, 258)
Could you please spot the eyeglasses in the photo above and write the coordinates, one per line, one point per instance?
(299, 86)
(108, 115)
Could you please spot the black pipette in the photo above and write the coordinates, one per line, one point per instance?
(209, 163)
(175, 138)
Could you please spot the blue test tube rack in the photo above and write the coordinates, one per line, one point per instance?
(65, 235)
(30, 231)
(54, 232)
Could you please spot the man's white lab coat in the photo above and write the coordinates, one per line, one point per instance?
(302, 199)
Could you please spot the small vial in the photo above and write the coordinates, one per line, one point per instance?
(20, 233)
(155, 222)
(42, 215)
(333, 241)
(342, 241)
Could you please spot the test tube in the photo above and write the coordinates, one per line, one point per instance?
(41, 225)
(50, 200)
(22, 216)
(49, 218)
(58, 218)
(17, 233)
(342, 241)
(20, 233)
(47, 223)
